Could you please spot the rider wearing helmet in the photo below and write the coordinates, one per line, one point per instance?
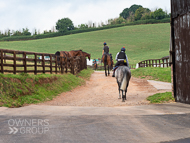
(121, 59)
(105, 49)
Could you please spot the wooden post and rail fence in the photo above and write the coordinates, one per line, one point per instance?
(163, 62)
(31, 62)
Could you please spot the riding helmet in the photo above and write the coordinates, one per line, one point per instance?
(123, 49)
(104, 43)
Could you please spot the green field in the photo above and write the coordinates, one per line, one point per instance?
(153, 73)
(142, 42)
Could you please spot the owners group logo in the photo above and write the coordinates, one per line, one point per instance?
(28, 126)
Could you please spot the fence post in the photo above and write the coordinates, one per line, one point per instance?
(163, 63)
(156, 62)
(24, 62)
(56, 64)
(66, 66)
(51, 64)
(5, 59)
(149, 64)
(35, 64)
(72, 66)
(152, 63)
(79, 66)
(82, 63)
(2, 62)
(61, 63)
(167, 62)
(43, 63)
(14, 67)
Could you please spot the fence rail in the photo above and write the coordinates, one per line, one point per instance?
(30, 62)
(163, 62)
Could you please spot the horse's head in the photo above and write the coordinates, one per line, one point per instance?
(89, 57)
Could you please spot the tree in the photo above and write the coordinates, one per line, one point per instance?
(140, 11)
(159, 14)
(17, 33)
(120, 20)
(128, 11)
(26, 32)
(83, 26)
(64, 25)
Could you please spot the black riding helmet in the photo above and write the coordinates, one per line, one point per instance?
(123, 49)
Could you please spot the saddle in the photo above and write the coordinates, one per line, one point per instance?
(121, 64)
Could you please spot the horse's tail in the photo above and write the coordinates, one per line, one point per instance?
(124, 83)
(126, 78)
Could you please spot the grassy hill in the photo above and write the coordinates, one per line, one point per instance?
(141, 41)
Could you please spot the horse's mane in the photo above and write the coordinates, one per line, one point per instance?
(86, 53)
(57, 53)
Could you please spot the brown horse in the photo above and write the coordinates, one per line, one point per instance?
(106, 59)
(86, 55)
(64, 55)
(75, 53)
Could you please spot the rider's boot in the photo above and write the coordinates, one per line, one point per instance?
(113, 74)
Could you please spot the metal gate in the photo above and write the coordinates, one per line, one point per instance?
(180, 43)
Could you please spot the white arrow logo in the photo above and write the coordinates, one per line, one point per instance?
(12, 130)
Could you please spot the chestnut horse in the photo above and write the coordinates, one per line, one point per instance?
(86, 55)
(75, 53)
(106, 59)
(63, 54)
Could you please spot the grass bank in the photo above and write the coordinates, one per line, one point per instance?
(161, 98)
(22, 89)
(152, 73)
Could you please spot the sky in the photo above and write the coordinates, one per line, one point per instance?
(43, 14)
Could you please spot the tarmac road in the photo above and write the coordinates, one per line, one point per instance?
(59, 124)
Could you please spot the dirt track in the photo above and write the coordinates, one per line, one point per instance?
(101, 91)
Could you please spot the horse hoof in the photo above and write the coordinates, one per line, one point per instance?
(119, 98)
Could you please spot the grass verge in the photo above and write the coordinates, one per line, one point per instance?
(85, 74)
(23, 89)
(161, 98)
(153, 73)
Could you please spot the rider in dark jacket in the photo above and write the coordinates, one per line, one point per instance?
(121, 59)
(105, 49)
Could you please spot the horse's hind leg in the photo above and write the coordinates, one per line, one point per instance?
(105, 69)
(123, 96)
(108, 71)
(119, 93)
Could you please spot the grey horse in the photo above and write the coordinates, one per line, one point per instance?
(123, 75)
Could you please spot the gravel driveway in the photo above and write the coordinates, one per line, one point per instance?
(101, 91)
